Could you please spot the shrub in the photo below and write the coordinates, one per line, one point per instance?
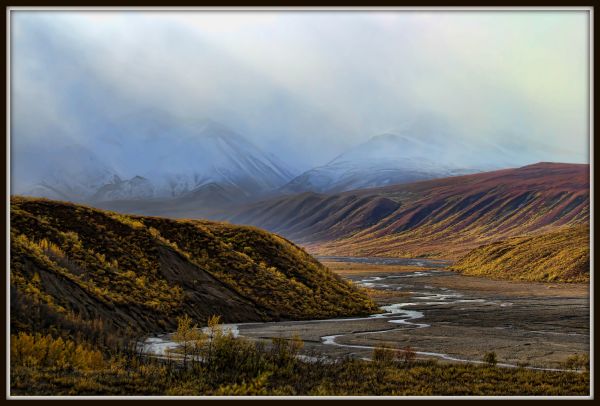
(407, 355)
(490, 358)
(190, 338)
(38, 351)
(578, 362)
(384, 355)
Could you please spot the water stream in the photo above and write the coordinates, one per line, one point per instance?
(399, 315)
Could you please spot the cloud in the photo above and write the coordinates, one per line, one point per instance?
(307, 85)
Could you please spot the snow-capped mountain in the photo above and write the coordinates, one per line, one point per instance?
(66, 172)
(154, 156)
(371, 169)
(137, 187)
(210, 153)
(425, 149)
(150, 156)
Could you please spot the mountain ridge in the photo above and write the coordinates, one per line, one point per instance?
(178, 158)
(427, 147)
(439, 217)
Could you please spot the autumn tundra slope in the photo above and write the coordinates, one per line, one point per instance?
(558, 256)
(71, 263)
(437, 218)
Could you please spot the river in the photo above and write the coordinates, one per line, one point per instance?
(441, 315)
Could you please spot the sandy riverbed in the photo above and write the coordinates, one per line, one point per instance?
(449, 317)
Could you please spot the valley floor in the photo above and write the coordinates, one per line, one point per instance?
(447, 316)
(449, 321)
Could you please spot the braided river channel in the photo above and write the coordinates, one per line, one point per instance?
(440, 315)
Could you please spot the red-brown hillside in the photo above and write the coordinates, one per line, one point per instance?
(442, 217)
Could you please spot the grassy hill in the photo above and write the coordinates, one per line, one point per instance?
(78, 268)
(559, 256)
(436, 218)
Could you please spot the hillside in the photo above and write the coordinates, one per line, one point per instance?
(559, 256)
(437, 218)
(83, 268)
(312, 217)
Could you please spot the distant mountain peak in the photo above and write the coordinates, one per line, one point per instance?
(158, 155)
(391, 158)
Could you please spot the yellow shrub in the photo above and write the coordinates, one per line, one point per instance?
(37, 351)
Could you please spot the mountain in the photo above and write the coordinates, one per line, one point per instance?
(209, 153)
(438, 218)
(557, 256)
(426, 148)
(59, 171)
(383, 160)
(118, 189)
(73, 264)
(149, 156)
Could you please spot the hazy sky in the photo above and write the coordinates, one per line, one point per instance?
(307, 85)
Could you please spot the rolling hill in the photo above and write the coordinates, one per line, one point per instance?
(74, 265)
(558, 256)
(436, 218)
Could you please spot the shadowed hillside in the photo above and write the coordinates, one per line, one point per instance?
(559, 256)
(72, 264)
(313, 217)
(443, 217)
